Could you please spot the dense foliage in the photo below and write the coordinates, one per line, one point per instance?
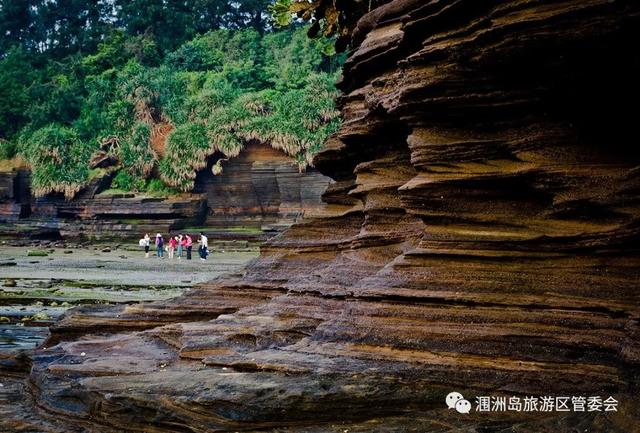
(158, 99)
(60, 157)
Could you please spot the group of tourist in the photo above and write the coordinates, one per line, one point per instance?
(177, 245)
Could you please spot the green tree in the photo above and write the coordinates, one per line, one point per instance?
(291, 58)
(65, 27)
(57, 95)
(168, 22)
(16, 17)
(248, 13)
(162, 121)
(16, 74)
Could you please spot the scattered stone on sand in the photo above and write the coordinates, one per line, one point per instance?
(67, 252)
(106, 250)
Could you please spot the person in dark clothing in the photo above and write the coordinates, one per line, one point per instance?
(159, 245)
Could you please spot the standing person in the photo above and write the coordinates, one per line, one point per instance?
(180, 245)
(146, 242)
(172, 245)
(188, 242)
(204, 245)
(159, 245)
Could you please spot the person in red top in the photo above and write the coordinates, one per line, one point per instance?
(188, 243)
(173, 242)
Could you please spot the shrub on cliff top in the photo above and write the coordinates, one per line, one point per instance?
(60, 158)
(187, 151)
(135, 151)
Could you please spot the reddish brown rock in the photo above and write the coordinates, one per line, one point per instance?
(116, 216)
(481, 237)
(90, 214)
(261, 188)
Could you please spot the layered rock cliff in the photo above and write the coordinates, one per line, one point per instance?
(481, 236)
(258, 194)
(261, 188)
(14, 195)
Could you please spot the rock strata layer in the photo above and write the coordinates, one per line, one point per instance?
(262, 188)
(481, 236)
(90, 214)
(258, 194)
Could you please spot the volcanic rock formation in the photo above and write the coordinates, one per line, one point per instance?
(258, 194)
(261, 188)
(89, 214)
(14, 195)
(481, 236)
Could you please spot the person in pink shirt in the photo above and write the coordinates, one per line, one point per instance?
(188, 243)
(173, 242)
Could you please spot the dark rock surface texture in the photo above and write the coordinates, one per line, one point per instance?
(90, 215)
(481, 236)
(14, 194)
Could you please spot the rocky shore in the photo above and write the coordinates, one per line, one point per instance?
(40, 283)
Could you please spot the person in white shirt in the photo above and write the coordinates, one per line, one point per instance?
(146, 241)
(204, 247)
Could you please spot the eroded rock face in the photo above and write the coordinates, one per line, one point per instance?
(259, 194)
(118, 216)
(480, 237)
(260, 188)
(89, 214)
(14, 195)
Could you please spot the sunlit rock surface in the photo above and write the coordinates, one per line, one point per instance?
(481, 236)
